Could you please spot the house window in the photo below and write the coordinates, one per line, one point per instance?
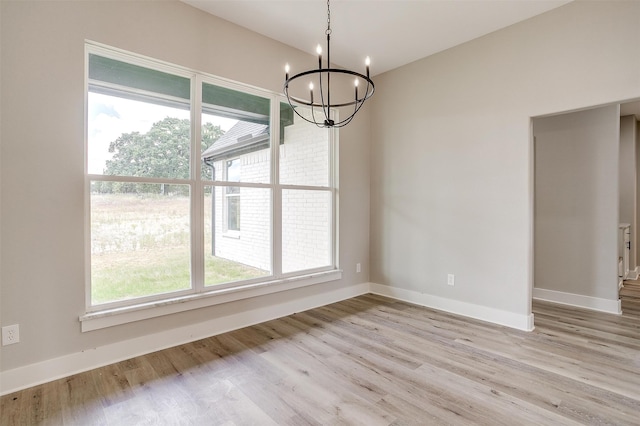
(166, 188)
(232, 196)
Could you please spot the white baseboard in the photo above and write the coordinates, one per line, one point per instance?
(633, 275)
(484, 313)
(578, 300)
(53, 369)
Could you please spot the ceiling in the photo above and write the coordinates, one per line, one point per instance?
(392, 32)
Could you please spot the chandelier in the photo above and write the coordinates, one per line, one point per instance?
(323, 100)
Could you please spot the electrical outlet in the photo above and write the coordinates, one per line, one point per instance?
(358, 268)
(10, 334)
(451, 279)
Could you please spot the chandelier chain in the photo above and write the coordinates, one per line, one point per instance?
(328, 32)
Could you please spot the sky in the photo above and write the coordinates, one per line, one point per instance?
(110, 117)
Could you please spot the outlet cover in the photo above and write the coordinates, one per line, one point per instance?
(358, 268)
(451, 279)
(10, 334)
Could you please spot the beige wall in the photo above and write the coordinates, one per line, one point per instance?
(451, 160)
(576, 202)
(43, 240)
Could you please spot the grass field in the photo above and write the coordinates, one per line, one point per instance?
(140, 246)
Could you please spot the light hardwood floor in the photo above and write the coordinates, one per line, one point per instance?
(369, 361)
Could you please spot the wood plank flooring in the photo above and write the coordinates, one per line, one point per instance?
(367, 361)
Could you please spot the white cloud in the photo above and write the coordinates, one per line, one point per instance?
(110, 117)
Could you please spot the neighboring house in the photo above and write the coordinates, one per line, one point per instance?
(239, 229)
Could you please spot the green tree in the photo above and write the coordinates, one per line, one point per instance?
(162, 152)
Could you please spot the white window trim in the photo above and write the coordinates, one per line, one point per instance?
(231, 233)
(152, 309)
(199, 296)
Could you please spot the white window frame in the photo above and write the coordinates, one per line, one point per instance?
(198, 296)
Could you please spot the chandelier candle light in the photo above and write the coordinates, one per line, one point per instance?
(323, 77)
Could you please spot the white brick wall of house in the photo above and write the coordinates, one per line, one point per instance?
(304, 160)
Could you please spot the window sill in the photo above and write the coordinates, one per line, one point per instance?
(117, 316)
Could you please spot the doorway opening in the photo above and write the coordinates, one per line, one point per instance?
(585, 205)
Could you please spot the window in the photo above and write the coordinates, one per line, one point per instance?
(238, 189)
(306, 199)
(170, 190)
(138, 148)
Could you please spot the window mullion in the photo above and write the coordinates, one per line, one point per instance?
(333, 184)
(276, 192)
(197, 188)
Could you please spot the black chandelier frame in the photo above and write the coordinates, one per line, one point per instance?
(325, 120)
